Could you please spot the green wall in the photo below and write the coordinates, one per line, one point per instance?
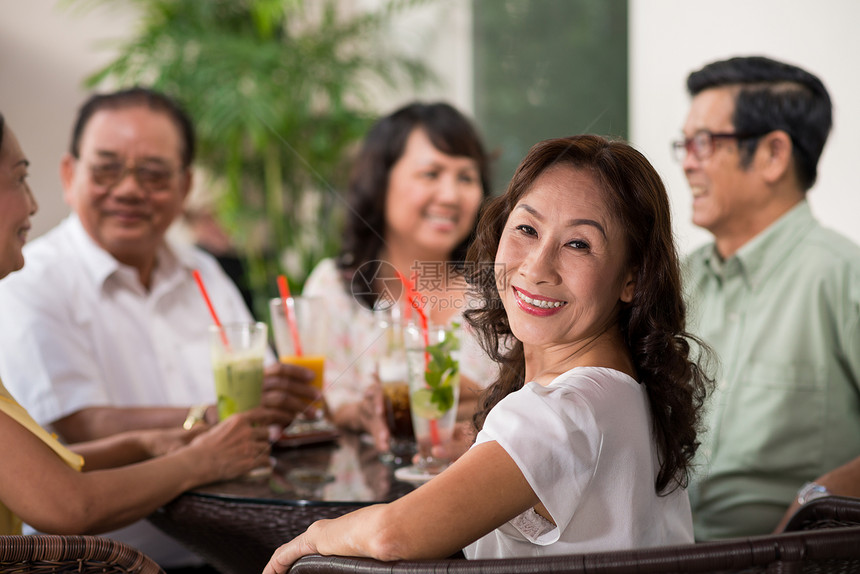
(548, 68)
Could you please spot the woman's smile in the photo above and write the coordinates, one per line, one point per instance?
(537, 305)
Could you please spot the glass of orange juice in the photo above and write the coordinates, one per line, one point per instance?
(310, 327)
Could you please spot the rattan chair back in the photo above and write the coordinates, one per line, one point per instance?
(41, 554)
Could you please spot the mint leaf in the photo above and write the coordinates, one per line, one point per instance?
(442, 370)
(443, 398)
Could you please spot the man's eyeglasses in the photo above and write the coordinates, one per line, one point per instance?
(152, 179)
(701, 145)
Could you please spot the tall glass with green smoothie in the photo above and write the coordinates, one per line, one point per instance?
(237, 363)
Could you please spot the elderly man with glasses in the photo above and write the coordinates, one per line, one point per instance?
(105, 330)
(776, 295)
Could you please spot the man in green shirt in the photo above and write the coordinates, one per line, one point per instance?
(776, 295)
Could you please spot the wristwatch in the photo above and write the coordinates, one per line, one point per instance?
(196, 414)
(811, 491)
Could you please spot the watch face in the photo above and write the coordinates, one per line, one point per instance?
(811, 491)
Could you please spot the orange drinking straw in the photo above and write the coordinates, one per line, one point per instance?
(202, 287)
(412, 296)
(284, 289)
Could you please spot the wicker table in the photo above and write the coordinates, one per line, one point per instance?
(237, 525)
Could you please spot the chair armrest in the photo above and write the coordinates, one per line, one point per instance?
(826, 512)
(829, 550)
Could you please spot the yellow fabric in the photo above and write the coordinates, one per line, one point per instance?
(9, 523)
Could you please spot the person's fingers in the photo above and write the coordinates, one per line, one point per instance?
(286, 555)
(372, 413)
(265, 417)
(274, 432)
(292, 404)
(260, 419)
(460, 442)
(291, 397)
(379, 403)
(287, 371)
(279, 563)
(373, 403)
(260, 433)
(379, 431)
(275, 399)
(439, 451)
(290, 388)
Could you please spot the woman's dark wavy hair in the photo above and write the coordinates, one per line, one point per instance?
(2, 123)
(652, 324)
(449, 131)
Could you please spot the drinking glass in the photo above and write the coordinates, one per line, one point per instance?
(392, 372)
(311, 328)
(237, 363)
(432, 356)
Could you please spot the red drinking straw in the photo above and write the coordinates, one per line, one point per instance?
(289, 313)
(413, 296)
(202, 287)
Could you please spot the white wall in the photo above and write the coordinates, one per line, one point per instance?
(45, 53)
(671, 38)
(440, 32)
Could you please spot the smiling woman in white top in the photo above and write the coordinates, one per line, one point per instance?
(586, 438)
(415, 191)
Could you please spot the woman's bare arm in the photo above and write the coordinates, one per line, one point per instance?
(40, 488)
(480, 492)
(134, 446)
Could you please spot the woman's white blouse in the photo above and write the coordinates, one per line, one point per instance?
(584, 445)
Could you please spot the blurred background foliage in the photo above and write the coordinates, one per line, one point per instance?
(279, 90)
(282, 90)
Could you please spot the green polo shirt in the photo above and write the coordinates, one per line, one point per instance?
(783, 316)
